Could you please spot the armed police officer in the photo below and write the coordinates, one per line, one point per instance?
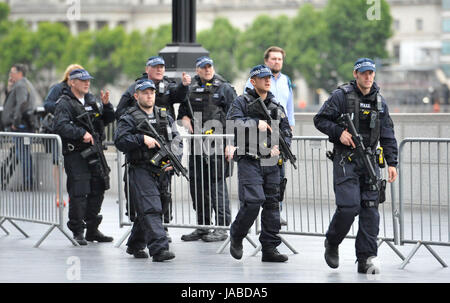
(168, 92)
(258, 172)
(146, 179)
(281, 88)
(80, 121)
(355, 190)
(210, 97)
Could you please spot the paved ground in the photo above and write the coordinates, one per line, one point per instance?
(56, 260)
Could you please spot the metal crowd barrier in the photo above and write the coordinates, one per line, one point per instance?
(424, 194)
(182, 209)
(31, 174)
(420, 215)
(309, 200)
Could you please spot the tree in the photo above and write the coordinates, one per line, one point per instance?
(263, 33)
(352, 35)
(49, 45)
(307, 46)
(17, 47)
(106, 64)
(221, 42)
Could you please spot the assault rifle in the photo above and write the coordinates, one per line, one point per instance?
(164, 152)
(365, 153)
(259, 109)
(95, 152)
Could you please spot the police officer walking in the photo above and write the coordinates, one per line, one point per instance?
(146, 179)
(355, 194)
(86, 180)
(281, 88)
(209, 95)
(258, 172)
(168, 92)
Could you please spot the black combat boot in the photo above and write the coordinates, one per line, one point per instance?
(79, 237)
(216, 236)
(163, 255)
(92, 232)
(236, 248)
(195, 235)
(273, 255)
(137, 253)
(331, 254)
(366, 266)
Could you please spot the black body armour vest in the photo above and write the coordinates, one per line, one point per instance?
(79, 109)
(275, 113)
(366, 114)
(162, 95)
(207, 101)
(160, 122)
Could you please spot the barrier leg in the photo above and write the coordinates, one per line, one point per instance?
(222, 247)
(411, 254)
(44, 236)
(2, 220)
(123, 238)
(18, 228)
(392, 247)
(288, 245)
(75, 243)
(251, 241)
(435, 255)
(257, 250)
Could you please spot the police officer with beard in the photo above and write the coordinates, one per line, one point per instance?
(85, 185)
(258, 172)
(354, 193)
(146, 179)
(168, 92)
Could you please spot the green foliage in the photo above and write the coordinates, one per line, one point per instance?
(307, 46)
(322, 45)
(16, 46)
(221, 42)
(49, 44)
(352, 35)
(263, 33)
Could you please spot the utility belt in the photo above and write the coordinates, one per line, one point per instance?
(155, 171)
(348, 155)
(251, 156)
(69, 148)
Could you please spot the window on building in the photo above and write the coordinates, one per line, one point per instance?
(396, 25)
(397, 52)
(446, 47)
(446, 4)
(419, 24)
(101, 24)
(82, 26)
(446, 25)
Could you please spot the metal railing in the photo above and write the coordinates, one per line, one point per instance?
(424, 194)
(31, 172)
(309, 201)
(182, 209)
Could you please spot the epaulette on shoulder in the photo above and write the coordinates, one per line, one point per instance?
(346, 87)
(61, 98)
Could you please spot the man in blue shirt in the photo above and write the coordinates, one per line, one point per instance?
(281, 88)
